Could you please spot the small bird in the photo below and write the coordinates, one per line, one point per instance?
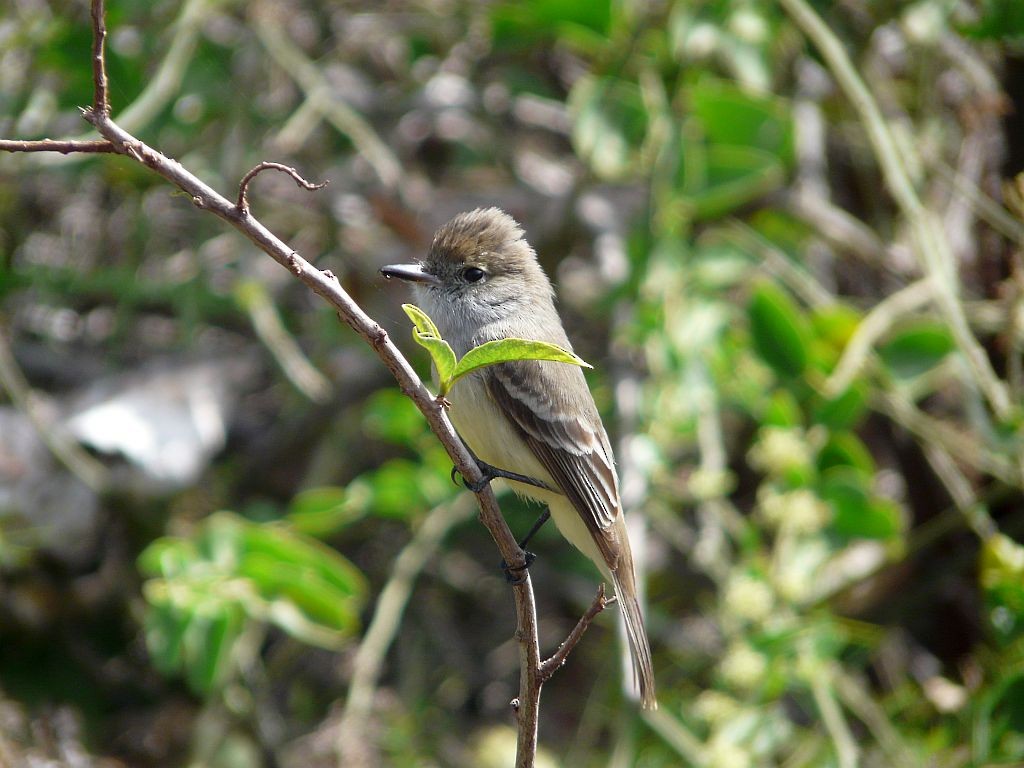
(481, 282)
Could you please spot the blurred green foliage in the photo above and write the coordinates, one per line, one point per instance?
(209, 592)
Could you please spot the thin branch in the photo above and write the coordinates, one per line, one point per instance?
(100, 97)
(549, 666)
(326, 285)
(65, 147)
(243, 186)
(527, 705)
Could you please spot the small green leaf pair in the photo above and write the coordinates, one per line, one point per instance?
(450, 369)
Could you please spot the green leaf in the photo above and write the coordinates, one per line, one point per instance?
(609, 125)
(1001, 573)
(733, 116)
(315, 558)
(780, 332)
(722, 178)
(421, 320)
(167, 557)
(322, 511)
(510, 349)
(398, 489)
(312, 597)
(845, 449)
(1001, 20)
(1002, 563)
(427, 336)
(858, 515)
(843, 411)
(389, 415)
(916, 350)
(209, 643)
(164, 629)
(833, 327)
(525, 22)
(782, 410)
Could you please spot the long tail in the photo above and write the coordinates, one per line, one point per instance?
(636, 633)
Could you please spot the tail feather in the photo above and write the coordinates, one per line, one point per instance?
(636, 634)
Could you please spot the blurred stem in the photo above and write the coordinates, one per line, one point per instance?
(832, 717)
(676, 735)
(255, 300)
(50, 431)
(874, 325)
(931, 247)
(859, 701)
(165, 83)
(715, 513)
(840, 228)
(959, 487)
(802, 282)
(387, 618)
(1015, 330)
(987, 209)
(932, 431)
(623, 753)
(326, 100)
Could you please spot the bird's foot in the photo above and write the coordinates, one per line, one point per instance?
(493, 473)
(517, 574)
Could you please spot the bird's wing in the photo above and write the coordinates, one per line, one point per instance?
(566, 437)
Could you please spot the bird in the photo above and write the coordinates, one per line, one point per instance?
(537, 420)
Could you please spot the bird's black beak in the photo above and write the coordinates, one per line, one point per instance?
(414, 273)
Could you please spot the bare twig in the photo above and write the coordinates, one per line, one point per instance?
(64, 147)
(243, 186)
(100, 93)
(549, 666)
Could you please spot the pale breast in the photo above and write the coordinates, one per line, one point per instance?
(492, 437)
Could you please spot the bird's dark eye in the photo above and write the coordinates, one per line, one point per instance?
(473, 274)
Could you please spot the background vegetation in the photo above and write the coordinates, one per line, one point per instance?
(791, 250)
